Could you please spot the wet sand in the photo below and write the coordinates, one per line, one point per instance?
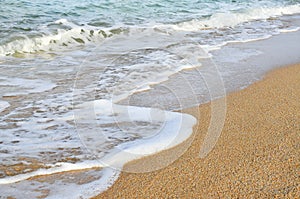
(256, 156)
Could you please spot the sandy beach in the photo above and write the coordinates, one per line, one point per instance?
(256, 156)
(125, 99)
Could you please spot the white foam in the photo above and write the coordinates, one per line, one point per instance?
(25, 86)
(292, 29)
(151, 60)
(3, 105)
(49, 127)
(88, 190)
(62, 40)
(77, 36)
(230, 19)
(62, 189)
(56, 168)
(174, 129)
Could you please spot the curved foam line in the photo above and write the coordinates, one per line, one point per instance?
(57, 168)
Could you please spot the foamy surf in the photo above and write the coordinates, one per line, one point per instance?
(3, 105)
(232, 19)
(75, 36)
(174, 128)
(24, 86)
(113, 134)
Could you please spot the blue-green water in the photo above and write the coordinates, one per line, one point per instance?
(20, 20)
(70, 69)
(32, 14)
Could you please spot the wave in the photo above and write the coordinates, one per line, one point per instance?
(78, 36)
(63, 40)
(231, 19)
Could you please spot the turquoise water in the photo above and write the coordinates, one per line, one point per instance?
(21, 20)
(29, 15)
(71, 71)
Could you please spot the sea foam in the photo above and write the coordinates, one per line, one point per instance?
(77, 36)
(174, 129)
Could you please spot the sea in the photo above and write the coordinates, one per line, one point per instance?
(87, 86)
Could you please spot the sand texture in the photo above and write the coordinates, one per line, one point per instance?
(256, 156)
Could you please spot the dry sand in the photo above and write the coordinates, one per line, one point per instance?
(257, 154)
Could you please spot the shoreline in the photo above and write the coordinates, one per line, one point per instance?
(55, 79)
(253, 157)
